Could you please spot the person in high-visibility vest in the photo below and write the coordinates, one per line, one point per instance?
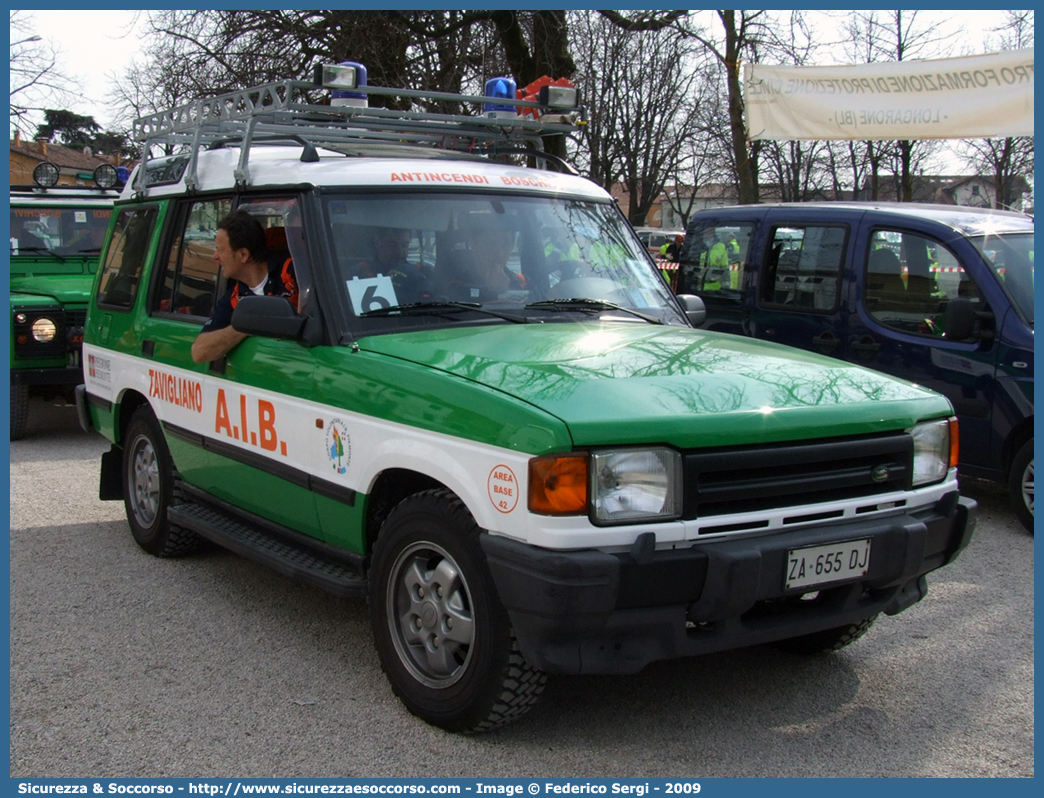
(733, 246)
(558, 248)
(713, 261)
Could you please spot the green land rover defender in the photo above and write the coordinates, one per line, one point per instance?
(508, 435)
(56, 238)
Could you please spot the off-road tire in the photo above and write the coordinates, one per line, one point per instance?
(444, 639)
(828, 640)
(149, 489)
(1020, 485)
(19, 410)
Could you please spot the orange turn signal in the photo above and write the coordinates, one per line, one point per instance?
(955, 443)
(558, 484)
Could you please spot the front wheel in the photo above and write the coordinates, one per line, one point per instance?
(827, 640)
(1020, 485)
(148, 489)
(443, 637)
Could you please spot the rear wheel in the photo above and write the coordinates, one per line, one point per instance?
(1020, 485)
(19, 410)
(148, 489)
(827, 640)
(444, 639)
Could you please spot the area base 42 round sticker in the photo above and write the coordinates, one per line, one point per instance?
(503, 488)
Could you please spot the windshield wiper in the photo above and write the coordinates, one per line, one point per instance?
(590, 305)
(435, 308)
(50, 252)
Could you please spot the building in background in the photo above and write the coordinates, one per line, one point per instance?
(75, 166)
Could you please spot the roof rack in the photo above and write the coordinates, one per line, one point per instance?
(280, 113)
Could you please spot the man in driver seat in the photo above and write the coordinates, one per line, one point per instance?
(486, 275)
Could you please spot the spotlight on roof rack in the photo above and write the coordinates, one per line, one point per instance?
(45, 174)
(559, 97)
(340, 78)
(499, 89)
(106, 176)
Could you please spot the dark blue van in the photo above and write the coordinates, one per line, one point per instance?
(938, 295)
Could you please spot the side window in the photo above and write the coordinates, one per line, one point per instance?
(714, 260)
(125, 259)
(911, 279)
(190, 280)
(803, 268)
(284, 237)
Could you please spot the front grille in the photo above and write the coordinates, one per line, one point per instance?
(75, 321)
(27, 346)
(753, 479)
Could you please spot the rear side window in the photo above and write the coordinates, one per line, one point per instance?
(803, 268)
(125, 259)
(910, 280)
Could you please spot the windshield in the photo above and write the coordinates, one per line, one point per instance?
(1010, 255)
(61, 231)
(425, 259)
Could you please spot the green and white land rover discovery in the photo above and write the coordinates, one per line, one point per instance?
(530, 461)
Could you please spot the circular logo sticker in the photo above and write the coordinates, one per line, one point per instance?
(503, 488)
(338, 445)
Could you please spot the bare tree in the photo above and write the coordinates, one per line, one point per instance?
(749, 36)
(643, 107)
(37, 80)
(896, 36)
(799, 168)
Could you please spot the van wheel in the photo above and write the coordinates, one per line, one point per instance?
(1020, 485)
(827, 640)
(19, 410)
(444, 639)
(148, 489)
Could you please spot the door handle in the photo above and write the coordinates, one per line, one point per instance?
(827, 341)
(866, 346)
(148, 347)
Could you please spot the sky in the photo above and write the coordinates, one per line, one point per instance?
(94, 45)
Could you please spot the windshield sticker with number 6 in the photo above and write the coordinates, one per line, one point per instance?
(371, 293)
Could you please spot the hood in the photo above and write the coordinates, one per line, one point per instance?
(626, 383)
(73, 289)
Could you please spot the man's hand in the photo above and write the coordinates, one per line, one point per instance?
(212, 345)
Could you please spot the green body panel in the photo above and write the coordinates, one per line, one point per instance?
(342, 525)
(418, 395)
(624, 383)
(65, 289)
(283, 367)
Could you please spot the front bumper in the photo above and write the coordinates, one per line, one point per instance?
(61, 375)
(593, 612)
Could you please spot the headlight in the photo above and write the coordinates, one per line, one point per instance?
(631, 485)
(935, 450)
(44, 330)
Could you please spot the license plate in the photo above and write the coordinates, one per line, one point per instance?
(821, 565)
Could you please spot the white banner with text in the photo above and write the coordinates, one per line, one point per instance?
(980, 96)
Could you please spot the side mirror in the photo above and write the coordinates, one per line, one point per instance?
(694, 309)
(960, 319)
(270, 316)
